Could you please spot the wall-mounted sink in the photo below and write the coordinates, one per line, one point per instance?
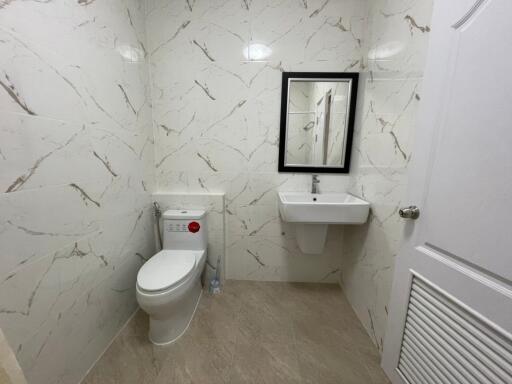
(313, 212)
(325, 208)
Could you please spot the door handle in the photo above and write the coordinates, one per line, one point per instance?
(412, 212)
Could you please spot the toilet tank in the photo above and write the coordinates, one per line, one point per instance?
(185, 229)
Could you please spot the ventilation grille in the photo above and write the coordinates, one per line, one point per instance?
(443, 343)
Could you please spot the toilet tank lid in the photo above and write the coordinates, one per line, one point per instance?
(184, 214)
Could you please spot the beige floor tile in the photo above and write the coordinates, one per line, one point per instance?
(197, 361)
(265, 363)
(329, 364)
(371, 357)
(216, 318)
(264, 321)
(130, 359)
(254, 332)
(138, 325)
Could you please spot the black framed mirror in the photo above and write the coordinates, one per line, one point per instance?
(317, 121)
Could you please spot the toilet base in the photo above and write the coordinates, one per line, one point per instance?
(163, 331)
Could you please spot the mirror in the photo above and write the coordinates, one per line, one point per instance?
(317, 121)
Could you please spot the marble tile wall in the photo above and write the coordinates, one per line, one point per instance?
(10, 371)
(213, 204)
(216, 80)
(76, 172)
(82, 147)
(389, 97)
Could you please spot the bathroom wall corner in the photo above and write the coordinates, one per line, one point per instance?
(389, 97)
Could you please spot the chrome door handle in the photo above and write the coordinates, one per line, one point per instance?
(411, 212)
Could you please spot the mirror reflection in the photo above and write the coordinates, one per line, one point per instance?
(318, 122)
(317, 112)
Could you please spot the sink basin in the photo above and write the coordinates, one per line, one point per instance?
(324, 208)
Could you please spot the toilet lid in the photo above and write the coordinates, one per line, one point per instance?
(165, 269)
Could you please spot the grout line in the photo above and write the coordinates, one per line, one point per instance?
(118, 333)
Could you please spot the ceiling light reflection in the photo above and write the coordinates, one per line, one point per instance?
(130, 53)
(386, 50)
(257, 52)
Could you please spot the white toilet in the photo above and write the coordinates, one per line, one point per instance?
(169, 284)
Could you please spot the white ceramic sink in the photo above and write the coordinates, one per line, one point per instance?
(324, 208)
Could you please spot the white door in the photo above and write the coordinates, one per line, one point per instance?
(450, 317)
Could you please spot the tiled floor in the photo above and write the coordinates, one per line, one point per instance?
(252, 333)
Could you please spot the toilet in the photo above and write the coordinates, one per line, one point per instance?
(169, 284)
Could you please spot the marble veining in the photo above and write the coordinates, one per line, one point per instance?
(213, 204)
(390, 93)
(76, 172)
(10, 371)
(216, 107)
(111, 101)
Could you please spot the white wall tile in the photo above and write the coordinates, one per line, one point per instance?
(216, 113)
(389, 97)
(214, 205)
(76, 172)
(86, 136)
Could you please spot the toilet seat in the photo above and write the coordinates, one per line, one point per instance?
(166, 269)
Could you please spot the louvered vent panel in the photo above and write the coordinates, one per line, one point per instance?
(443, 343)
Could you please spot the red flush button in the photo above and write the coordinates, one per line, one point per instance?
(194, 226)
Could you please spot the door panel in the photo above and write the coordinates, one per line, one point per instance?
(489, 298)
(470, 192)
(462, 181)
(445, 342)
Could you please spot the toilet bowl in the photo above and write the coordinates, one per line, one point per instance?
(169, 284)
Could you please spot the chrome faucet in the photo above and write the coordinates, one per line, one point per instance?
(314, 184)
